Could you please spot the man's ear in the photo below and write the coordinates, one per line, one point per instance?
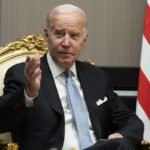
(85, 39)
(45, 35)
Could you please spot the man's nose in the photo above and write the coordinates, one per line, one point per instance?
(66, 41)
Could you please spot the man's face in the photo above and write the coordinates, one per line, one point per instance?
(66, 38)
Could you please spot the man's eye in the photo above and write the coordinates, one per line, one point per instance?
(59, 34)
(74, 35)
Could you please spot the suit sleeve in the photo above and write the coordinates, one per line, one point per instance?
(12, 106)
(123, 120)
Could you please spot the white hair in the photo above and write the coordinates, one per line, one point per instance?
(65, 8)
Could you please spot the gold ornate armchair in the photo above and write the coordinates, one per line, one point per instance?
(11, 54)
(5, 145)
(16, 52)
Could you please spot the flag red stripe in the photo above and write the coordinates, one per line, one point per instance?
(144, 93)
(147, 24)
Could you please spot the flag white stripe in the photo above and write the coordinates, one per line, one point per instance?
(145, 58)
(146, 121)
(148, 2)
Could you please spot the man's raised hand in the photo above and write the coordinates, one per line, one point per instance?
(32, 74)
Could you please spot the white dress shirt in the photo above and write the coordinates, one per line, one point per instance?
(71, 138)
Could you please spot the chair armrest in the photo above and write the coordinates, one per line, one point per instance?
(5, 145)
(144, 145)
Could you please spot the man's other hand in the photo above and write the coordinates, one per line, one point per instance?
(32, 74)
(115, 135)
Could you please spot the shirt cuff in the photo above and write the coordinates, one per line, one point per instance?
(29, 100)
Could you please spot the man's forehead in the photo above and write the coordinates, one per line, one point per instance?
(73, 19)
(70, 15)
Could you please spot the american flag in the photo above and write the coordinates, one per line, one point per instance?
(143, 102)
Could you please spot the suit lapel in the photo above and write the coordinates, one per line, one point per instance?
(48, 87)
(50, 93)
(87, 84)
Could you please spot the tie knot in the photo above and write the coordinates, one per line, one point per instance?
(67, 73)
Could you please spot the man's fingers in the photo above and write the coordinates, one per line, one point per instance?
(32, 74)
(36, 74)
(28, 59)
(115, 135)
(35, 62)
(36, 59)
(30, 77)
(28, 63)
(32, 64)
(37, 56)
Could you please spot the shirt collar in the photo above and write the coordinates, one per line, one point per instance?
(56, 69)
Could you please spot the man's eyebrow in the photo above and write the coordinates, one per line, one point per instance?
(76, 31)
(57, 28)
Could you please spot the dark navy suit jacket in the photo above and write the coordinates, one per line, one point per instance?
(41, 126)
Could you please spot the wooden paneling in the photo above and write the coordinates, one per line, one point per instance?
(114, 26)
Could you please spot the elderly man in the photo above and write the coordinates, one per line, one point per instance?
(59, 102)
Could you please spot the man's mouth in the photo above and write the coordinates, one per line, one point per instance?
(65, 53)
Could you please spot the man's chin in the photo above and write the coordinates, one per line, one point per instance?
(66, 64)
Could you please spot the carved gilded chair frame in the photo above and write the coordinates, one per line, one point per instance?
(25, 45)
